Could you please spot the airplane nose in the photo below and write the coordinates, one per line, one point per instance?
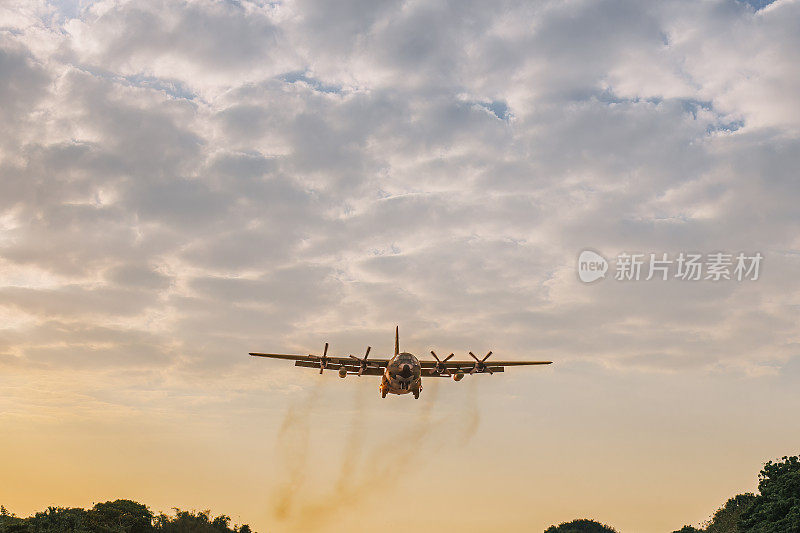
(406, 371)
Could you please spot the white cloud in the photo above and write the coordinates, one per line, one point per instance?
(174, 146)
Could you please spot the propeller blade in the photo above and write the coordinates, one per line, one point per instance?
(325, 353)
(480, 364)
(362, 363)
(446, 359)
(440, 365)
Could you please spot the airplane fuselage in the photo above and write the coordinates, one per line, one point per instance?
(403, 374)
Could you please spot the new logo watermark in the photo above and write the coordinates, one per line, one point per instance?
(591, 266)
(686, 266)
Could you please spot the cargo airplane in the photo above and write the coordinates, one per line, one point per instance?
(402, 374)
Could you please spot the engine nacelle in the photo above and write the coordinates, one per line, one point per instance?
(458, 376)
(342, 372)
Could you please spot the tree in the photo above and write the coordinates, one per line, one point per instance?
(60, 520)
(221, 522)
(777, 507)
(582, 525)
(726, 519)
(122, 515)
(119, 516)
(9, 523)
(688, 529)
(197, 522)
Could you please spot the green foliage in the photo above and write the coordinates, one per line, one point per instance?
(190, 522)
(60, 520)
(9, 523)
(777, 508)
(581, 526)
(727, 517)
(122, 515)
(119, 516)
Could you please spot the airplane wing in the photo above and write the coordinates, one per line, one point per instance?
(447, 367)
(469, 364)
(374, 366)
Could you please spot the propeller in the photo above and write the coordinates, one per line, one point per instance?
(440, 365)
(323, 361)
(480, 364)
(362, 363)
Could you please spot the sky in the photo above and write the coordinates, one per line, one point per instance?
(182, 183)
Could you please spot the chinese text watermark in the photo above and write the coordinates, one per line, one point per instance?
(687, 266)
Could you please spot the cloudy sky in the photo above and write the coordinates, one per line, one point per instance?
(184, 182)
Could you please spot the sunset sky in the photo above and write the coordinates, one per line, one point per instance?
(183, 182)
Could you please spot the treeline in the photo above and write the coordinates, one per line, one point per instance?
(775, 509)
(120, 516)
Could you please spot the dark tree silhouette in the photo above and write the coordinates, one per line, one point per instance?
(582, 525)
(123, 515)
(777, 508)
(119, 516)
(727, 517)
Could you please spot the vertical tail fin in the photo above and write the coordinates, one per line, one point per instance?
(397, 340)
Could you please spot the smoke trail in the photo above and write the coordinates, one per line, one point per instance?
(365, 473)
(293, 439)
(473, 418)
(355, 439)
(386, 465)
